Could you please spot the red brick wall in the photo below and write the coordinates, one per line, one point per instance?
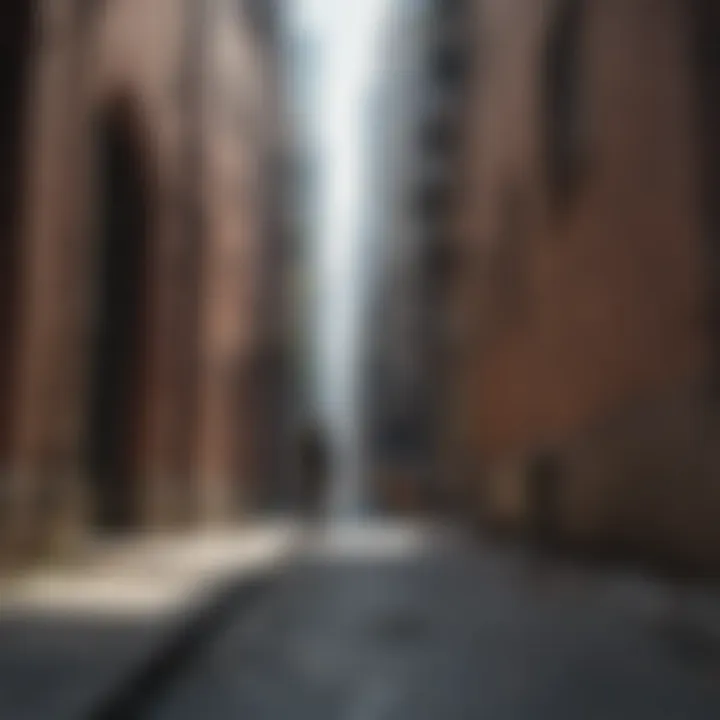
(202, 325)
(581, 315)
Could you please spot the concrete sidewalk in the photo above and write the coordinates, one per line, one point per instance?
(72, 636)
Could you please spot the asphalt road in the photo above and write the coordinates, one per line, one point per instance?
(387, 624)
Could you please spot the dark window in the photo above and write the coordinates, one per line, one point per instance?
(263, 16)
(439, 136)
(440, 263)
(565, 115)
(433, 200)
(454, 9)
(451, 63)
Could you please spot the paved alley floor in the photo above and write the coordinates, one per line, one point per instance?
(72, 634)
(405, 624)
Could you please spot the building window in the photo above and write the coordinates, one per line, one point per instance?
(565, 115)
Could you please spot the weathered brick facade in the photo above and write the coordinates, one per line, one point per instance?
(581, 328)
(180, 91)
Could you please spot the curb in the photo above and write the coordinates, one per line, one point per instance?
(145, 686)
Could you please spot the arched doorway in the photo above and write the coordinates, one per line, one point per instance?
(118, 357)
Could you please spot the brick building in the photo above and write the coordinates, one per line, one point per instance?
(582, 332)
(396, 359)
(139, 147)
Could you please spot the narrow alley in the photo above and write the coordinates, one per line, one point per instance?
(360, 360)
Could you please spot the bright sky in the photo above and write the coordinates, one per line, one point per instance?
(349, 32)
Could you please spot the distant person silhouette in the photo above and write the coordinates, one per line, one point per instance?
(314, 466)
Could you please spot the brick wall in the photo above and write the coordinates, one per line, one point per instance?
(193, 99)
(581, 307)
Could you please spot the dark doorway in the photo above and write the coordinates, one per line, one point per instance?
(705, 26)
(15, 42)
(119, 357)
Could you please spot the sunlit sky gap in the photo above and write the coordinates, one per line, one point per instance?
(348, 35)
